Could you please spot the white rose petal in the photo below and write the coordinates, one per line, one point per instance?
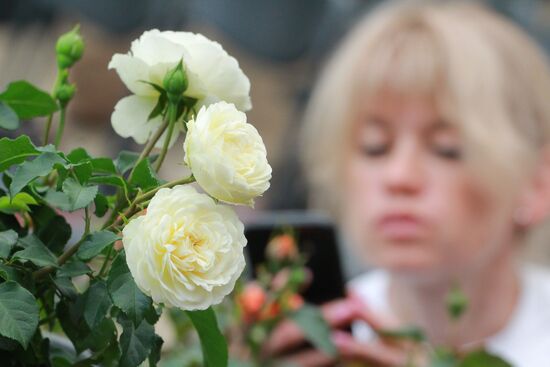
(129, 119)
(213, 75)
(227, 155)
(187, 251)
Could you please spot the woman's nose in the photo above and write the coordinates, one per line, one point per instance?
(404, 173)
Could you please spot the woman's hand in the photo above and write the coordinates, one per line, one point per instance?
(287, 337)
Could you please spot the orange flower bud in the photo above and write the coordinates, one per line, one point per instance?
(271, 311)
(282, 247)
(294, 302)
(251, 300)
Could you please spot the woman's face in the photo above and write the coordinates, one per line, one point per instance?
(409, 201)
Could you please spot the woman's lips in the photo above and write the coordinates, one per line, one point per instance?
(401, 227)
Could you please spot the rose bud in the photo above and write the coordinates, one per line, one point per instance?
(282, 247)
(271, 311)
(252, 299)
(294, 302)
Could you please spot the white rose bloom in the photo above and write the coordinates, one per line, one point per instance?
(227, 155)
(213, 76)
(187, 251)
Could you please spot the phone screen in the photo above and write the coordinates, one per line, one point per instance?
(316, 238)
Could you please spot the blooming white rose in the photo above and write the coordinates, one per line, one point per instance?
(187, 251)
(213, 76)
(227, 155)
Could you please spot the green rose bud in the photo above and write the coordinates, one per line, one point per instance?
(175, 83)
(69, 48)
(64, 93)
(456, 302)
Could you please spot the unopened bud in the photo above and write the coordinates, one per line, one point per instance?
(282, 247)
(294, 302)
(175, 83)
(69, 48)
(457, 302)
(252, 300)
(64, 93)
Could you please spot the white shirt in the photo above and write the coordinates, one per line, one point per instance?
(525, 340)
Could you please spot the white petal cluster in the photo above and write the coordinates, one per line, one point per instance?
(213, 76)
(227, 155)
(186, 251)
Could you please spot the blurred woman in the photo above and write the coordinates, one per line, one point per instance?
(428, 138)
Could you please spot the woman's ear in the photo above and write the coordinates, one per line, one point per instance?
(534, 205)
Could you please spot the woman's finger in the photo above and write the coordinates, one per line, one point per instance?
(310, 358)
(376, 353)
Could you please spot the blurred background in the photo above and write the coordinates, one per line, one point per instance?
(280, 45)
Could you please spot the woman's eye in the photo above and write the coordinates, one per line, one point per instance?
(375, 150)
(450, 153)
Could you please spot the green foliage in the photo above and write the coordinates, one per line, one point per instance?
(96, 303)
(95, 243)
(18, 313)
(37, 253)
(482, 358)
(213, 344)
(19, 203)
(125, 293)
(8, 117)
(135, 343)
(7, 240)
(315, 328)
(15, 151)
(30, 170)
(144, 177)
(27, 101)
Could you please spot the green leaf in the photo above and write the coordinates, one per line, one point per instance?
(7, 240)
(20, 203)
(27, 100)
(51, 228)
(144, 177)
(135, 343)
(78, 155)
(103, 165)
(72, 321)
(9, 273)
(66, 287)
(18, 313)
(125, 293)
(28, 241)
(125, 161)
(315, 329)
(96, 303)
(28, 171)
(456, 302)
(79, 196)
(482, 358)
(8, 117)
(405, 333)
(73, 268)
(83, 171)
(159, 107)
(101, 205)
(15, 151)
(442, 357)
(154, 356)
(111, 180)
(58, 200)
(213, 343)
(95, 243)
(38, 254)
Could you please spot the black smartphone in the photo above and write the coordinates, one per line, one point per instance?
(316, 238)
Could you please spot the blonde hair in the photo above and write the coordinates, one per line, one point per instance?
(486, 76)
